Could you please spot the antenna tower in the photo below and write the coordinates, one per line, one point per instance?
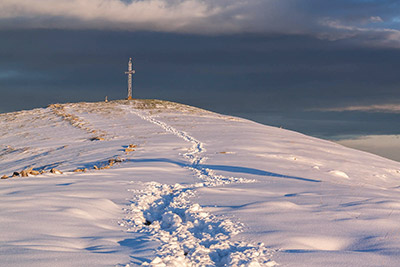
(130, 72)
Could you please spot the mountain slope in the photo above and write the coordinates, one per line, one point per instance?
(179, 185)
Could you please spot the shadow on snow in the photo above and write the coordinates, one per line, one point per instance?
(234, 169)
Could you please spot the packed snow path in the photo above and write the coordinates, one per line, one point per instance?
(190, 236)
(194, 153)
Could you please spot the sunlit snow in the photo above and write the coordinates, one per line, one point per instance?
(163, 184)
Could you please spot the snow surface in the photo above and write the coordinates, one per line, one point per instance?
(196, 188)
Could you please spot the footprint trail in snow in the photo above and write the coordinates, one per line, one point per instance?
(190, 236)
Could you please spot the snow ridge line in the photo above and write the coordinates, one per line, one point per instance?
(189, 236)
(76, 121)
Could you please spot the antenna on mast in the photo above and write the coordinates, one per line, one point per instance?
(130, 72)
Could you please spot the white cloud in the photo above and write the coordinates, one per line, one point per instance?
(383, 145)
(191, 16)
(375, 19)
(336, 30)
(207, 17)
(386, 108)
(139, 15)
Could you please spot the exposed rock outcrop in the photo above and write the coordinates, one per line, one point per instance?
(55, 171)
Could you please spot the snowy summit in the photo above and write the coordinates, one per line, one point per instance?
(156, 183)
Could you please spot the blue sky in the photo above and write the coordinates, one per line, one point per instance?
(326, 68)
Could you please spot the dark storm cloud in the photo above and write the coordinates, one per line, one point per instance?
(245, 73)
(367, 22)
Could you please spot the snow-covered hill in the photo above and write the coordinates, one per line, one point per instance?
(149, 182)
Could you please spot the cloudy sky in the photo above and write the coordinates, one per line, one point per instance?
(325, 68)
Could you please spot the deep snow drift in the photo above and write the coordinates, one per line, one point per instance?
(166, 184)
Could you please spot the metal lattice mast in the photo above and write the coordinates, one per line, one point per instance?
(130, 72)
